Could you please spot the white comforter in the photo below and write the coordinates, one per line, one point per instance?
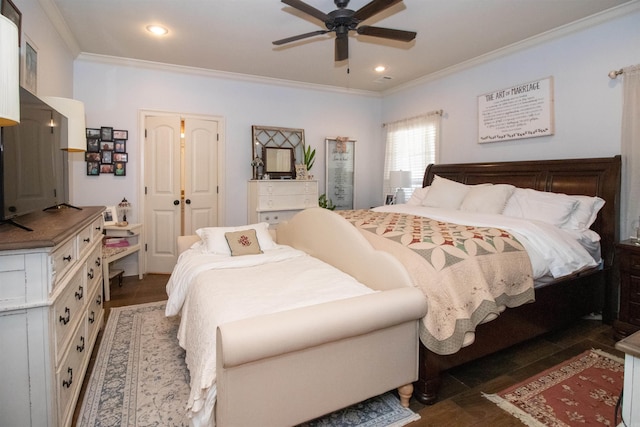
(210, 290)
(552, 251)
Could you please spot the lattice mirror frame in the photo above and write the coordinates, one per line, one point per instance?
(267, 136)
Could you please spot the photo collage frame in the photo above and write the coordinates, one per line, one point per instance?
(106, 151)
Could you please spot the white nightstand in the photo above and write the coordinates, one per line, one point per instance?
(132, 233)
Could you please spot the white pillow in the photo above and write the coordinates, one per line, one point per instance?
(418, 196)
(445, 193)
(552, 208)
(215, 241)
(487, 198)
(585, 213)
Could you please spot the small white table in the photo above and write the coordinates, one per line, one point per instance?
(631, 396)
(133, 234)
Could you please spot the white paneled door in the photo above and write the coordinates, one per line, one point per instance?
(181, 181)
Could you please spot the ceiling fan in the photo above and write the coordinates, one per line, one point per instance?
(343, 20)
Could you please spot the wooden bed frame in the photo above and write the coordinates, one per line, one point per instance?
(560, 302)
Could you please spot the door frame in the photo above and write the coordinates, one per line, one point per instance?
(142, 120)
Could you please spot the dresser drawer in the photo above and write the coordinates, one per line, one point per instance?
(70, 373)
(276, 217)
(284, 187)
(630, 262)
(94, 313)
(68, 310)
(94, 269)
(634, 288)
(634, 313)
(290, 201)
(62, 259)
(13, 281)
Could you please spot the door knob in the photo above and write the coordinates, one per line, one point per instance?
(188, 201)
(176, 202)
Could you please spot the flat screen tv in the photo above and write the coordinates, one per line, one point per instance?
(33, 168)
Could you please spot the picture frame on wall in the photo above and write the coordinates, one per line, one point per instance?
(93, 133)
(107, 157)
(120, 145)
(108, 169)
(92, 156)
(106, 146)
(106, 133)
(389, 200)
(30, 67)
(120, 134)
(120, 168)
(9, 10)
(93, 168)
(120, 157)
(93, 145)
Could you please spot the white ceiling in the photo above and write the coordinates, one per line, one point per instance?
(235, 35)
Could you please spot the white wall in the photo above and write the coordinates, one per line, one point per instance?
(587, 103)
(114, 93)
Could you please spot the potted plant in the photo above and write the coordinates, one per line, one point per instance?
(325, 202)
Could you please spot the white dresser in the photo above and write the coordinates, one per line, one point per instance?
(277, 200)
(50, 313)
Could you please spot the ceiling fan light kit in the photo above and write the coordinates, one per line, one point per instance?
(343, 20)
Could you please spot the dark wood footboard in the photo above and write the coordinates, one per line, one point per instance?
(559, 302)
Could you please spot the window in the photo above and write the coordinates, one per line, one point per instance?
(411, 145)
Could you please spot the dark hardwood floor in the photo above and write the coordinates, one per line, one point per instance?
(461, 403)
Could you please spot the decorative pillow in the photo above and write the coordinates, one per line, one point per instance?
(418, 196)
(487, 198)
(585, 213)
(552, 208)
(445, 193)
(243, 242)
(216, 243)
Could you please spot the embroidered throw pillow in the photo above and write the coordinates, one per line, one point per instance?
(244, 242)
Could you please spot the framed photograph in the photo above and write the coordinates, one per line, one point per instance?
(93, 145)
(120, 157)
(93, 133)
(93, 168)
(30, 67)
(107, 157)
(301, 171)
(120, 134)
(106, 145)
(110, 215)
(106, 168)
(92, 157)
(106, 133)
(9, 10)
(119, 168)
(389, 200)
(120, 145)
(340, 171)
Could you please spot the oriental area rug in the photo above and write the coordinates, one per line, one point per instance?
(582, 391)
(140, 379)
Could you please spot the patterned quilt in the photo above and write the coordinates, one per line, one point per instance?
(468, 274)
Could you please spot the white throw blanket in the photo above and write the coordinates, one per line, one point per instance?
(214, 292)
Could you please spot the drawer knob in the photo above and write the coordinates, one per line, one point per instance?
(92, 317)
(67, 258)
(80, 348)
(79, 293)
(65, 320)
(90, 274)
(87, 240)
(65, 383)
(99, 299)
(98, 261)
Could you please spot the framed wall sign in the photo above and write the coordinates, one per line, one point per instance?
(340, 173)
(521, 111)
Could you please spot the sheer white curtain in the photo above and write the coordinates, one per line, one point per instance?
(630, 147)
(411, 145)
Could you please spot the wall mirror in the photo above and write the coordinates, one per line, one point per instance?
(278, 162)
(275, 137)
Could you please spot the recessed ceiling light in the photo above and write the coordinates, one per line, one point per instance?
(380, 68)
(158, 30)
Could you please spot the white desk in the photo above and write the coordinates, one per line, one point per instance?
(133, 234)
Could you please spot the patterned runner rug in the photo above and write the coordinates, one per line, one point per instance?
(581, 391)
(140, 379)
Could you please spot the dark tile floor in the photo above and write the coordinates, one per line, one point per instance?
(461, 403)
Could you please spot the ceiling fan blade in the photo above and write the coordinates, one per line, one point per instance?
(387, 33)
(309, 10)
(373, 8)
(342, 48)
(299, 37)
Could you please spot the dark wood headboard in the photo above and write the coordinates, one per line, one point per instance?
(591, 177)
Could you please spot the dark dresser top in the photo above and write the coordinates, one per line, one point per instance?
(49, 227)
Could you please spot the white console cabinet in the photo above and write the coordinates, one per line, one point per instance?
(50, 313)
(277, 200)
